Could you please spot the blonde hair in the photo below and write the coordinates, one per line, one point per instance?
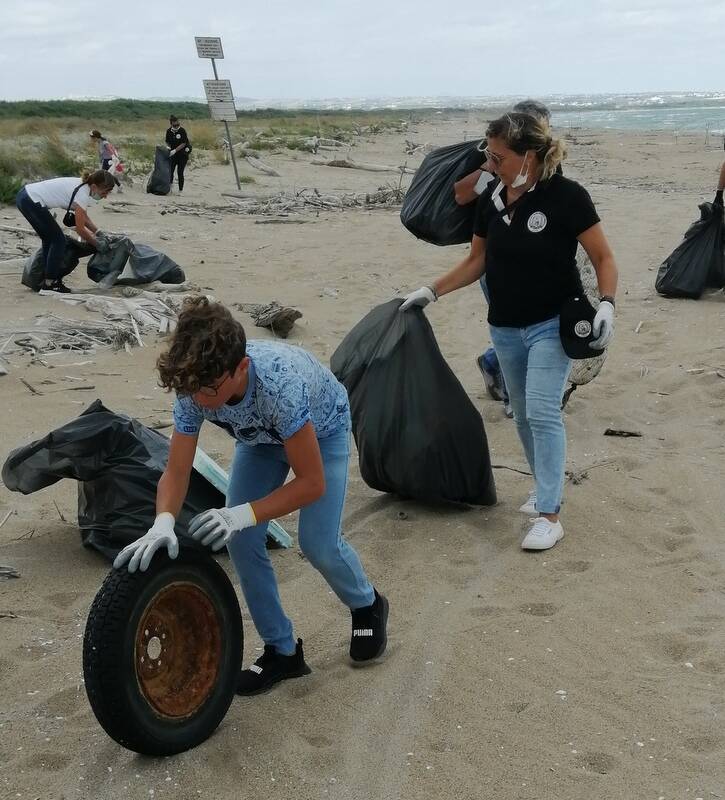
(523, 132)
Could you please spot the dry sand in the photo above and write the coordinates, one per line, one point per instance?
(594, 670)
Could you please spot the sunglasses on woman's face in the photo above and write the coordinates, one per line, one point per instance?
(492, 157)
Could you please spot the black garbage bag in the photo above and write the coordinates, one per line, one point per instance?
(429, 210)
(698, 262)
(160, 179)
(417, 432)
(117, 462)
(34, 271)
(146, 263)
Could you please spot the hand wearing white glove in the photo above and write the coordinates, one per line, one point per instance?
(217, 526)
(420, 297)
(603, 325)
(138, 554)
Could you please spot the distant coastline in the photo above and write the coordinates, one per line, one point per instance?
(676, 111)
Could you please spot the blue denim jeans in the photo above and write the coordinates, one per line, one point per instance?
(257, 471)
(536, 369)
(51, 236)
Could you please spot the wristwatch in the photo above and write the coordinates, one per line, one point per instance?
(608, 298)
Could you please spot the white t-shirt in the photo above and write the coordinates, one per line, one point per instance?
(56, 193)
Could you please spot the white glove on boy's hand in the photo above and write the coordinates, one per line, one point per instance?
(161, 534)
(603, 325)
(420, 297)
(217, 526)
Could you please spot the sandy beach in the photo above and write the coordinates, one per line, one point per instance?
(595, 670)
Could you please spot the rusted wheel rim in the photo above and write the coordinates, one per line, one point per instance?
(178, 650)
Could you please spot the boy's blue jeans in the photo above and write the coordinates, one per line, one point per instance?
(536, 369)
(257, 471)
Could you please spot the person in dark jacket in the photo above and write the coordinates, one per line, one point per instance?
(720, 186)
(177, 140)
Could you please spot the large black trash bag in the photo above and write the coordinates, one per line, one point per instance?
(146, 263)
(160, 179)
(429, 210)
(697, 263)
(417, 432)
(34, 271)
(117, 462)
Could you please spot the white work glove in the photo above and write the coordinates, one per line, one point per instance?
(420, 297)
(217, 526)
(603, 325)
(161, 534)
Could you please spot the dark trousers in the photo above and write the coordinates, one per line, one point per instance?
(52, 237)
(178, 162)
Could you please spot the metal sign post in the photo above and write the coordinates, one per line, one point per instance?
(219, 94)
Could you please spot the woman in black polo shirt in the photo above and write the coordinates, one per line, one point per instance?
(177, 140)
(525, 240)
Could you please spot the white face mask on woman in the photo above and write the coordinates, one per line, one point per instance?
(522, 177)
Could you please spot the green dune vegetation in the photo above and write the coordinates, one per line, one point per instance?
(43, 139)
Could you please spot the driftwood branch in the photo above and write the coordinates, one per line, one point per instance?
(279, 319)
(16, 230)
(347, 164)
(252, 158)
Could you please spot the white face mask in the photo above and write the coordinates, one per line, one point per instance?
(522, 177)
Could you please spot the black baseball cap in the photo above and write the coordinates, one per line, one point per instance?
(575, 328)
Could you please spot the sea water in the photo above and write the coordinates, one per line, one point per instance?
(674, 111)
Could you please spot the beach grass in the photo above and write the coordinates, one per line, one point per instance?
(41, 140)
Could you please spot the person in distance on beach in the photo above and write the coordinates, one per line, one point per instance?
(525, 240)
(286, 411)
(106, 150)
(718, 201)
(177, 140)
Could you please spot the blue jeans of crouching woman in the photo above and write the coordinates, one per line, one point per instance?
(257, 471)
(536, 368)
(51, 236)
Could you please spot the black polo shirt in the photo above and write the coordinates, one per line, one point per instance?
(175, 138)
(531, 262)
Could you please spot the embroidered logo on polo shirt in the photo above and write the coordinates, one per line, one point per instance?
(537, 222)
(583, 328)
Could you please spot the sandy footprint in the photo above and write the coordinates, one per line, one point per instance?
(601, 763)
(539, 609)
(49, 761)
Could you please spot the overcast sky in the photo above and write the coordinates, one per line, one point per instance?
(355, 48)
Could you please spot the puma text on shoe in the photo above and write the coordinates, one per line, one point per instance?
(369, 630)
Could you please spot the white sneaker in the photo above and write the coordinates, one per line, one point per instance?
(542, 535)
(529, 507)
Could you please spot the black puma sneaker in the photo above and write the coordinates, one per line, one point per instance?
(271, 668)
(369, 630)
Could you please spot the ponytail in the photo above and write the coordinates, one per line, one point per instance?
(554, 154)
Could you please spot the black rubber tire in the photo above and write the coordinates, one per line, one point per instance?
(112, 680)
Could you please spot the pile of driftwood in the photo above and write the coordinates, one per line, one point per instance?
(278, 318)
(125, 318)
(312, 199)
(413, 148)
(54, 335)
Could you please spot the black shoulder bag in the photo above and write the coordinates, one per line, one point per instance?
(69, 218)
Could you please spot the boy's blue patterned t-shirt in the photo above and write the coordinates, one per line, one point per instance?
(287, 388)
